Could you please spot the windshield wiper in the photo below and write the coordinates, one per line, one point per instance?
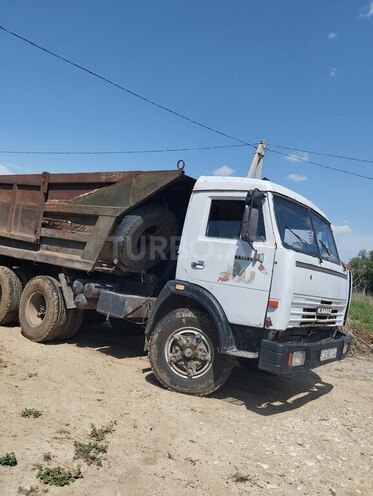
(316, 243)
(325, 247)
(296, 235)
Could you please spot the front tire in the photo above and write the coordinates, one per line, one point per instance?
(184, 354)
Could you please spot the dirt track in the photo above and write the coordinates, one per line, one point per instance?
(308, 435)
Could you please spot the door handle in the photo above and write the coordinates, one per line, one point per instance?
(198, 265)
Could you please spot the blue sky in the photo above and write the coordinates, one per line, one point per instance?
(296, 73)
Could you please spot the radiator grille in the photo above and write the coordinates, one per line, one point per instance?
(307, 311)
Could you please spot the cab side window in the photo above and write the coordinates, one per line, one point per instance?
(225, 220)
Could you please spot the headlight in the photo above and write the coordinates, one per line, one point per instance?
(346, 346)
(297, 358)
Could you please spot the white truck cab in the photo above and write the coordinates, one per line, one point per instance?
(259, 277)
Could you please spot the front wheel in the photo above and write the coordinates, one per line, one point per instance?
(184, 355)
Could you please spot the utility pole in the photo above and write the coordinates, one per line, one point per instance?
(255, 170)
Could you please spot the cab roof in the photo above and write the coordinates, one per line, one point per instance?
(224, 183)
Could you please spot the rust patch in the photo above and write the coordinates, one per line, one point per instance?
(224, 276)
(229, 275)
(268, 322)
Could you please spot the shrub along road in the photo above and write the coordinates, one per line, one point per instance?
(305, 435)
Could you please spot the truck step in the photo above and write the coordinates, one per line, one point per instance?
(242, 353)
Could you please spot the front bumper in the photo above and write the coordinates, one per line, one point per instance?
(274, 356)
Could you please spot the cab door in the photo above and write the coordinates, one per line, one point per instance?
(213, 256)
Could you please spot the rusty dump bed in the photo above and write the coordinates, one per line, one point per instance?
(66, 219)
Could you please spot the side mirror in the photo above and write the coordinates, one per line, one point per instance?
(250, 221)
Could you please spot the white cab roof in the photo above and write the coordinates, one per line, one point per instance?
(224, 183)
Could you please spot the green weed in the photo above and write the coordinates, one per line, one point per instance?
(91, 453)
(31, 412)
(8, 459)
(101, 433)
(58, 476)
(31, 491)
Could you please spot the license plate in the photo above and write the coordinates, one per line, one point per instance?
(328, 354)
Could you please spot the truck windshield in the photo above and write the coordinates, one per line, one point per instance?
(304, 231)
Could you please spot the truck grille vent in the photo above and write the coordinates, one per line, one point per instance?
(306, 311)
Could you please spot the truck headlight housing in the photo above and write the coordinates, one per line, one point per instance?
(346, 346)
(297, 358)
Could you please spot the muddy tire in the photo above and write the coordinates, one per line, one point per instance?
(74, 321)
(42, 311)
(10, 295)
(132, 243)
(127, 328)
(184, 355)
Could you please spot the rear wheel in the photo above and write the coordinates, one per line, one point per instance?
(42, 311)
(184, 355)
(10, 295)
(74, 321)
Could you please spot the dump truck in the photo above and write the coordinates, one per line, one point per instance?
(212, 270)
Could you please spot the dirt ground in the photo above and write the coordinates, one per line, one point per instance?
(309, 435)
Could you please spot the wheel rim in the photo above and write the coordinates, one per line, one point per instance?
(189, 352)
(36, 309)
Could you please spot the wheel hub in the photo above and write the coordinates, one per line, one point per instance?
(36, 308)
(189, 352)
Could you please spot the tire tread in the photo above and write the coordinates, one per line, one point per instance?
(10, 295)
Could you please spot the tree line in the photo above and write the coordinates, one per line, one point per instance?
(362, 272)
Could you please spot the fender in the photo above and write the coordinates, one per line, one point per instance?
(170, 295)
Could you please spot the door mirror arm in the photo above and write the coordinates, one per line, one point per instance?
(250, 220)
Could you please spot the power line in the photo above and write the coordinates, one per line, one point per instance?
(173, 112)
(343, 157)
(301, 159)
(170, 150)
(119, 152)
(130, 92)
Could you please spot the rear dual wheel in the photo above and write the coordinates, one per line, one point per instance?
(42, 312)
(10, 295)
